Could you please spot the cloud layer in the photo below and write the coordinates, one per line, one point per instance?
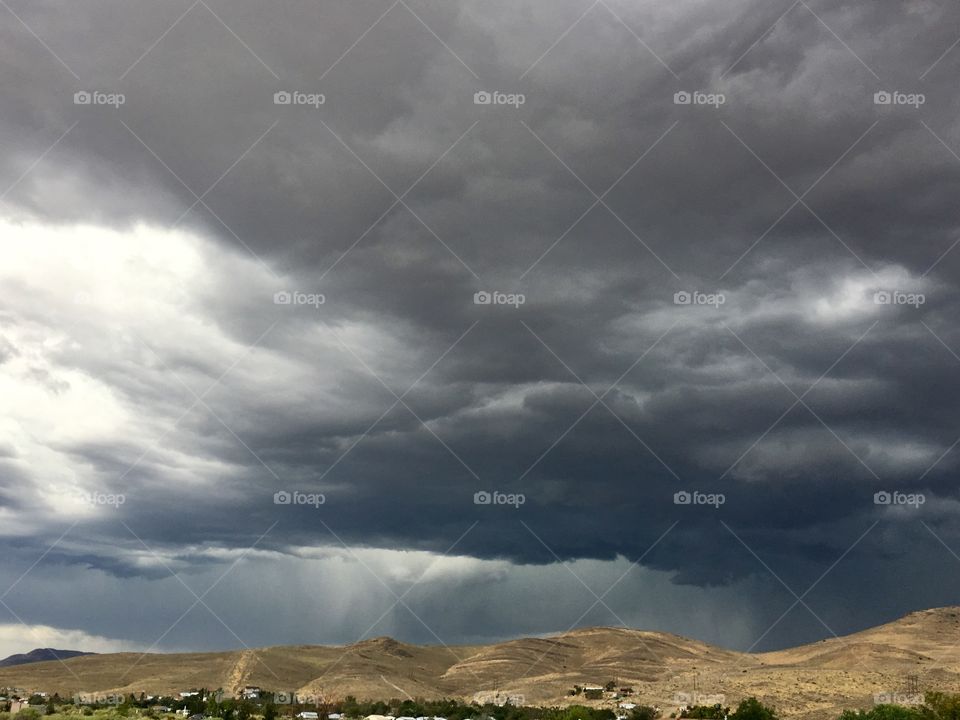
(750, 294)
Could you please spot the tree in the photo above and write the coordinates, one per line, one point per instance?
(884, 712)
(269, 712)
(941, 706)
(712, 712)
(753, 709)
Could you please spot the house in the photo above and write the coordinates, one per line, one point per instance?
(17, 705)
(185, 695)
(308, 715)
(251, 692)
(627, 705)
(335, 716)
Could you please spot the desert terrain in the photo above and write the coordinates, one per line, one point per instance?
(918, 651)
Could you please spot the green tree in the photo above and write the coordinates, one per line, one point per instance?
(884, 712)
(713, 712)
(941, 706)
(753, 709)
(269, 711)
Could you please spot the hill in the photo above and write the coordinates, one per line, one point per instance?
(809, 681)
(40, 655)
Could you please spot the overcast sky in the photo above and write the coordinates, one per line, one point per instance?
(718, 244)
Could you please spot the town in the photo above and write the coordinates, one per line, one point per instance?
(255, 703)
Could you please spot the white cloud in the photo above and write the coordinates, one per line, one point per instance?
(16, 638)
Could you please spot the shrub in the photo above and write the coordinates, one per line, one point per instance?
(753, 709)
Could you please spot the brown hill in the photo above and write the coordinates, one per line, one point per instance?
(809, 681)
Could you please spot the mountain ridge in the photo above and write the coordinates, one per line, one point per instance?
(41, 655)
(814, 680)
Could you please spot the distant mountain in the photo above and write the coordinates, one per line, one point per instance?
(811, 682)
(41, 655)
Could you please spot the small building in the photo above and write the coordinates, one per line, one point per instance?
(308, 715)
(251, 692)
(593, 692)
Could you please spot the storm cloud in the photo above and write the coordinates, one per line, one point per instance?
(605, 258)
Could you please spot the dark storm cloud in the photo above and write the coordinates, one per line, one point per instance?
(598, 199)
